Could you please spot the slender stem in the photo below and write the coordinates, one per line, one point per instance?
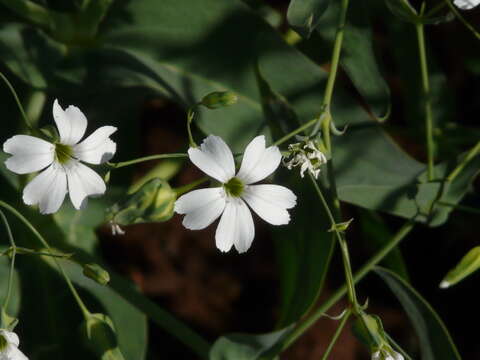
(190, 117)
(12, 261)
(79, 301)
(337, 48)
(295, 132)
(17, 100)
(427, 101)
(147, 158)
(462, 19)
(337, 334)
(470, 155)
(468, 209)
(186, 188)
(398, 347)
(360, 274)
(343, 245)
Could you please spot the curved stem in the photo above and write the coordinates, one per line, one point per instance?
(295, 132)
(343, 246)
(186, 188)
(427, 101)
(360, 274)
(470, 155)
(190, 117)
(462, 19)
(79, 301)
(337, 334)
(147, 158)
(17, 100)
(12, 261)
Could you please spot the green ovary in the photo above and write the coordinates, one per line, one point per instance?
(234, 187)
(63, 153)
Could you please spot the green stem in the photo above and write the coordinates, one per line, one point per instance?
(295, 132)
(12, 261)
(190, 117)
(470, 155)
(462, 19)
(427, 101)
(186, 188)
(398, 347)
(17, 100)
(147, 158)
(360, 274)
(79, 301)
(343, 246)
(337, 334)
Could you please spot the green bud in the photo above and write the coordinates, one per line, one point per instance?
(369, 330)
(218, 99)
(96, 273)
(99, 333)
(469, 264)
(152, 202)
(341, 227)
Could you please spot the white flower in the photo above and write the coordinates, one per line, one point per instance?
(116, 229)
(307, 156)
(9, 346)
(202, 207)
(466, 4)
(64, 171)
(387, 354)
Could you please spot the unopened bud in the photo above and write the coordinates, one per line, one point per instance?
(96, 273)
(99, 333)
(218, 99)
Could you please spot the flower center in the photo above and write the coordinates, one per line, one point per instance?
(63, 153)
(234, 187)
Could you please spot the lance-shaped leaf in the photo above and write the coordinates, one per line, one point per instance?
(403, 10)
(435, 341)
(468, 265)
(304, 15)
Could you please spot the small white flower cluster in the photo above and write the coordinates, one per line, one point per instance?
(9, 343)
(387, 354)
(307, 156)
(466, 4)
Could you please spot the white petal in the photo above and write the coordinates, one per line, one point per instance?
(29, 154)
(202, 207)
(47, 189)
(82, 182)
(259, 162)
(466, 4)
(16, 354)
(270, 202)
(235, 227)
(71, 123)
(10, 337)
(214, 158)
(96, 148)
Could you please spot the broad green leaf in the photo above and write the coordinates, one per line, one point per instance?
(304, 249)
(304, 15)
(246, 346)
(358, 57)
(435, 341)
(376, 233)
(467, 266)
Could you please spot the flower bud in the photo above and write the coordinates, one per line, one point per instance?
(99, 332)
(218, 99)
(96, 273)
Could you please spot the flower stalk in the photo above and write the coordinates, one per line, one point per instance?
(146, 158)
(12, 253)
(419, 27)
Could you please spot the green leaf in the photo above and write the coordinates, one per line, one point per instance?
(377, 234)
(246, 346)
(435, 341)
(304, 249)
(304, 15)
(467, 265)
(403, 10)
